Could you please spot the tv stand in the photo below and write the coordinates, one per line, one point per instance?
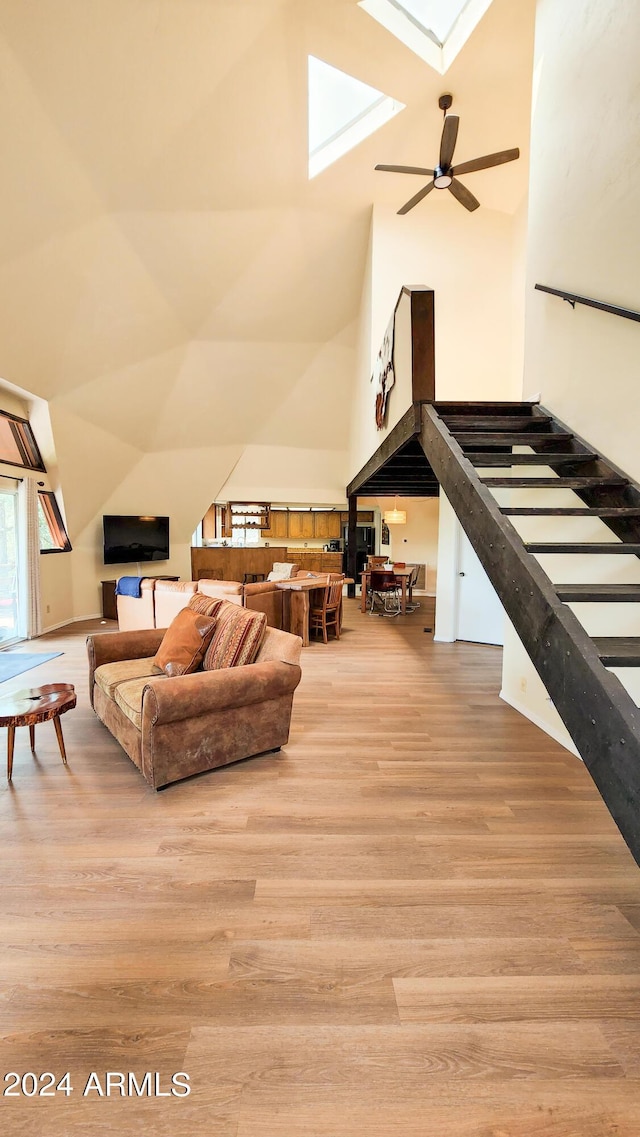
(109, 607)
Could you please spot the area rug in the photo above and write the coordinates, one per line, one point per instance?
(15, 662)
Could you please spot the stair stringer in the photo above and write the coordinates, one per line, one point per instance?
(599, 714)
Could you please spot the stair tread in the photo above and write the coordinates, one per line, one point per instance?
(550, 458)
(617, 548)
(577, 483)
(567, 511)
(620, 651)
(594, 593)
(492, 423)
(507, 438)
(484, 407)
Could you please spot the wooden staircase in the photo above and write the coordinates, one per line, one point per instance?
(458, 440)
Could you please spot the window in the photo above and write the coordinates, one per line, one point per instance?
(435, 17)
(245, 529)
(18, 446)
(9, 592)
(53, 535)
(435, 30)
(342, 112)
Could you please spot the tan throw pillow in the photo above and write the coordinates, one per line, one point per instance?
(237, 639)
(205, 605)
(185, 643)
(282, 570)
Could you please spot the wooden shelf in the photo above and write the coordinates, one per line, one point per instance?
(260, 509)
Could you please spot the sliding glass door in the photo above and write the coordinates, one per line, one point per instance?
(9, 621)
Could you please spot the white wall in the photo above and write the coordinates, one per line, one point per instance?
(468, 260)
(583, 236)
(12, 403)
(446, 629)
(471, 261)
(416, 542)
(584, 222)
(523, 689)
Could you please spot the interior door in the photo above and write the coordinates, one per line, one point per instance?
(480, 614)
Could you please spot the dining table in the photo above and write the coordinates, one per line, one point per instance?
(403, 575)
(297, 611)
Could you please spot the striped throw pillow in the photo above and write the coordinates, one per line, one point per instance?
(237, 638)
(204, 605)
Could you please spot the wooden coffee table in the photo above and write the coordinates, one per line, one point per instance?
(34, 705)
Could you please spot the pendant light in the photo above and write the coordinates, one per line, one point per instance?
(395, 516)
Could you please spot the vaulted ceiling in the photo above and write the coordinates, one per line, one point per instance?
(169, 277)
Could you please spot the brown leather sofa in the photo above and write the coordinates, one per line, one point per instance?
(265, 597)
(174, 727)
(171, 596)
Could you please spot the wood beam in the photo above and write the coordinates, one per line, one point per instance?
(423, 356)
(408, 427)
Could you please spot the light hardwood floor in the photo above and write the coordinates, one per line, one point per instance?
(418, 920)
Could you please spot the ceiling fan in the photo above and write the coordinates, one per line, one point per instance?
(445, 174)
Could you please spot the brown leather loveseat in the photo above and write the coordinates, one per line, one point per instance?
(172, 727)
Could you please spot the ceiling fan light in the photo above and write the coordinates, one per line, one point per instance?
(442, 180)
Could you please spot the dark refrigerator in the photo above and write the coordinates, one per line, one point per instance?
(365, 545)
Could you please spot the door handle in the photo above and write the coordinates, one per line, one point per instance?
(462, 574)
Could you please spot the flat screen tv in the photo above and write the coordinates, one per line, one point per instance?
(133, 539)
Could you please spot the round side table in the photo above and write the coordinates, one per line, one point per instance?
(32, 706)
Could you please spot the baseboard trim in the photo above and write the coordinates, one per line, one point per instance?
(538, 721)
(71, 620)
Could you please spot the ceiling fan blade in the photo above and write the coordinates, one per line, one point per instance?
(448, 140)
(463, 195)
(406, 170)
(417, 197)
(488, 160)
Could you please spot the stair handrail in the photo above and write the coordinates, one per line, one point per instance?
(572, 298)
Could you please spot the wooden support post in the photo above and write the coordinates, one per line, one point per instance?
(423, 355)
(351, 543)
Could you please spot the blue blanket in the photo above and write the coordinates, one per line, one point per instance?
(129, 586)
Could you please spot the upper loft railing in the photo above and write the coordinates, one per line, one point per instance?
(573, 299)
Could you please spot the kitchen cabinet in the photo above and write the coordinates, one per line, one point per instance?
(315, 560)
(327, 525)
(365, 517)
(301, 524)
(278, 525)
(234, 564)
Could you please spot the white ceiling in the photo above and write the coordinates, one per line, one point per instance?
(160, 241)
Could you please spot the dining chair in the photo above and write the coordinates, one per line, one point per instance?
(328, 613)
(384, 587)
(411, 583)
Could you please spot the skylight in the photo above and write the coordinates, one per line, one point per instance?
(435, 30)
(342, 112)
(435, 16)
